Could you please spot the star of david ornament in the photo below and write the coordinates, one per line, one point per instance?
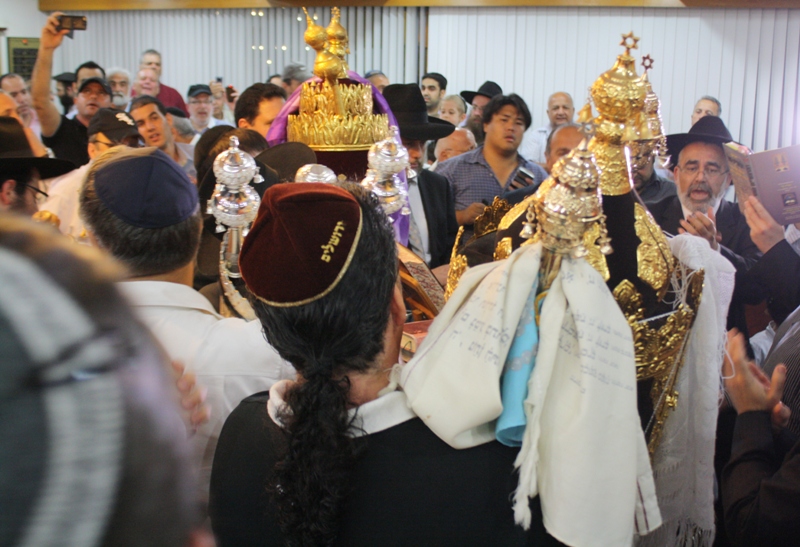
(629, 42)
(647, 62)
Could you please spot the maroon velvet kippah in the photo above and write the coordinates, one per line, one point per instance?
(301, 243)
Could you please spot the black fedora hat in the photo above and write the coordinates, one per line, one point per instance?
(708, 129)
(408, 106)
(487, 89)
(16, 152)
(286, 158)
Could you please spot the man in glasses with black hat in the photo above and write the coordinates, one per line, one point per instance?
(21, 171)
(433, 226)
(701, 179)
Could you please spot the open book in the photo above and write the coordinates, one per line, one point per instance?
(772, 176)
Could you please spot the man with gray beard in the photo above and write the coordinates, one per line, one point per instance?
(120, 81)
(701, 179)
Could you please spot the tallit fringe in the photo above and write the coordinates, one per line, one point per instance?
(526, 489)
(678, 533)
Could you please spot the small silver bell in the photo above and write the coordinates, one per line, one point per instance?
(527, 231)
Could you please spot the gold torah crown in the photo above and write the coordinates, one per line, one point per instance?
(619, 95)
(334, 116)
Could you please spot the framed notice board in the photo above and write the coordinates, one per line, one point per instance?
(22, 55)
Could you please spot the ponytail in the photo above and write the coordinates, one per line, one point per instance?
(312, 479)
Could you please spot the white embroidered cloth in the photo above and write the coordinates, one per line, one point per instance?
(683, 464)
(583, 451)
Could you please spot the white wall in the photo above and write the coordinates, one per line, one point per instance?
(746, 58)
(199, 45)
(22, 19)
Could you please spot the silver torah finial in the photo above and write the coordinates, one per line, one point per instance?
(234, 203)
(234, 206)
(387, 159)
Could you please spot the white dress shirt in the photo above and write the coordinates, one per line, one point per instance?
(418, 214)
(230, 356)
(534, 141)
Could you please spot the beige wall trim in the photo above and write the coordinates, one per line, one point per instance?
(92, 5)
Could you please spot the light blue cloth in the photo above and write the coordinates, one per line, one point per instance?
(517, 370)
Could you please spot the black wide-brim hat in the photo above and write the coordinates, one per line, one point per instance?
(286, 158)
(408, 106)
(708, 129)
(16, 152)
(488, 89)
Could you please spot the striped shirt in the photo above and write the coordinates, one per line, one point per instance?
(473, 181)
(786, 349)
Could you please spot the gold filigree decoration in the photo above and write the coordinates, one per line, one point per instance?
(504, 249)
(514, 213)
(660, 352)
(490, 218)
(593, 256)
(653, 254)
(647, 62)
(458, 265)
(334, 116)
(619, 95)
(319, 125)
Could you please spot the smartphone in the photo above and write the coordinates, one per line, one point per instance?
(71, 22)
(229, 91)
(219, 79)
(521, 176)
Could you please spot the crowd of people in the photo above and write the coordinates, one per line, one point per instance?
(305, 438)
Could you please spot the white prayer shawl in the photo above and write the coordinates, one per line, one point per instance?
(683, 464)
(583, 451)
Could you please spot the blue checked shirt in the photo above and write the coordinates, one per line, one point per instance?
(473, 181)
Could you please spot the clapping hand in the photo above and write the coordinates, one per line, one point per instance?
(748, 387)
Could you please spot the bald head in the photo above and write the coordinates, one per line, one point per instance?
(459, 141)
(560, 143)
(560, 108)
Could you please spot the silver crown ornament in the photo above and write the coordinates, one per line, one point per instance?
(234, 203)
(387, 159)
(315, 172)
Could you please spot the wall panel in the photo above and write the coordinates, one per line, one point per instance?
(748, 58)
(242, 45)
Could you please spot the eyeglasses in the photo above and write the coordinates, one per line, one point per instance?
(710, 172)
(477, 108)
(41, 195)
(206, 102)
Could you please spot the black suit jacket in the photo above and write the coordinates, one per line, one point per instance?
(407, 487)
(736, 246)
(778, 274)
(440, 214)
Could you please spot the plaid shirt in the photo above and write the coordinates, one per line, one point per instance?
(473, 181)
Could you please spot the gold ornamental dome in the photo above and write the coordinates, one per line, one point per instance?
(619, 93)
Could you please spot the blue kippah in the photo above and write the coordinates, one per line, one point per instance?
(148, 191)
